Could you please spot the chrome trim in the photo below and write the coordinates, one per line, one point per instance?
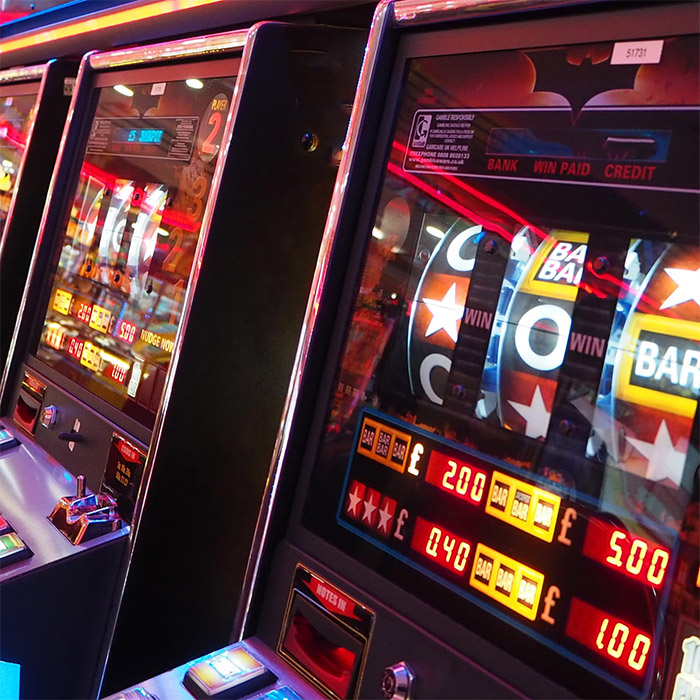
(42, 226)
(412, 12)
(170, 50)
(16, 75)
(381, 22)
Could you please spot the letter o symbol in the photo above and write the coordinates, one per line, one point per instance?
(454, 259)
(430, 362)
(562, 320)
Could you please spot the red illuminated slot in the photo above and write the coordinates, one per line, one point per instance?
(126, 332)
(630, 555)
(609, 636)
(440, 545)
(454, 476)
(75, 348)
(84, 312)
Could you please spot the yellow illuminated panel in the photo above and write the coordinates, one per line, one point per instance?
(113, 19)
(61, 301)
(100, 318)
(523, 505)
(507, 581)
(90, 357)
(383, 444)
(644, 396)
(556, 272)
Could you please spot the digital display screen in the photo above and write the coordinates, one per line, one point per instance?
(512, 434)
(16, 118)
(126, 252)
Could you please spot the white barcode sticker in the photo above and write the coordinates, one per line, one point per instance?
(635, 52)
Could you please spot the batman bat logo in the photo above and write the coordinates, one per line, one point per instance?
(579, 78)
(142, 101)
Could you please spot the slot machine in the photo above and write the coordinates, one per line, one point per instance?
(488, 484)
(159, 326)
(33, 104)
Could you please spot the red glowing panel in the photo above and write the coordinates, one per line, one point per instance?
(118, 373)
(75, 348)
(630, 555)
(84, 312)
(440, 545)
(609, 636)
(454, 476)
(126, 332)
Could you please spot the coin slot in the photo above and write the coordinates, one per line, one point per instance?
(322, 648)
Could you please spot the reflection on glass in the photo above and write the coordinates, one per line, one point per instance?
(130, 238)
(16, 116)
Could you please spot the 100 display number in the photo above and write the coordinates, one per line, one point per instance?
(617, 644)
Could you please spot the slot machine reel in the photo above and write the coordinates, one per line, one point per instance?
(83, 517)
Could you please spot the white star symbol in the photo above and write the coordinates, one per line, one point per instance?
(536, 415)
(370, 507)
(688, 282)
(354, 501)
(665, 461)
(447, 313)
(385, 517)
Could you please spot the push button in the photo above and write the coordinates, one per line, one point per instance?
(232, 673)
(7, 440)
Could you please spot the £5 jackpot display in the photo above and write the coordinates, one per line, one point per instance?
(130, 238)
(515, 407)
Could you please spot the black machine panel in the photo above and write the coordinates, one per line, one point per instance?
(513, 422)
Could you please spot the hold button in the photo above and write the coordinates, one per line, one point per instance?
(231, 673)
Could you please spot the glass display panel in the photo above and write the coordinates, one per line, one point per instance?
(16, 118)
(128, 245)
(513, 431)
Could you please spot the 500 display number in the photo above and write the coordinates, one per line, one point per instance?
(636, 560)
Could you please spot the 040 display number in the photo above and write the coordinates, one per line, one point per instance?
(443, 547)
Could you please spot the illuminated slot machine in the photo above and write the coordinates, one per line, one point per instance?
(33, 105)
(488, 484)
(158, 331)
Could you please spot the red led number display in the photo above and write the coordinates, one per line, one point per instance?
(622, 643)
(118, 373)
(441, 546)
(126, 332)
(84, 312)
(463, 480)
(75, 348)
(630, 555)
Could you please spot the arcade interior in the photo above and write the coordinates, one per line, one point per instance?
(349, 349)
